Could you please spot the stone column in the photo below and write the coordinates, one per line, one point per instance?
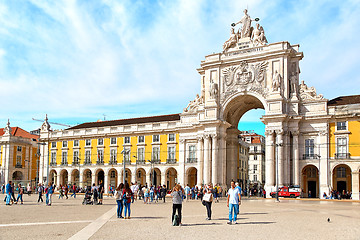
(182, 157)
(133, 177)
(163, 178)
(6, 155)
(200, 163)
(81, 179)
(215, 160)
(287, 154)
(58, 178)
(269, 161)
(355, 185)
(222, 162)
(206, 159)
(106, 183)
(120, 174)
(93, 178)
(148, 178)
(280, 147)
(69, 177)
(232, 156)
(296, 158)
(322, 155)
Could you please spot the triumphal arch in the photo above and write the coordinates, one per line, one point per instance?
(252, 73)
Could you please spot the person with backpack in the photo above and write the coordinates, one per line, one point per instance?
(127, 195)
(177, 198)
(119, 200)
(40, 191)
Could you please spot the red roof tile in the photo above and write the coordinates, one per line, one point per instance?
(19, 132)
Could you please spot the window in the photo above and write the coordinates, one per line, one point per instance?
(76, 143)
(19, 148)
(255, 157)
(341, 126)
(88, 142)
(100, 156)
(171, 137)
(171, 153)
(156, 138)
(18, 161)
(113, 155)
(255, 168)
(112, 174)
(127, 140)
(76, 157)
(309, 148)
(141, 139)
(255, 148)
(64, 144)
(341, 172)
(64, 158)
(53, 144)
(87, 156)
(53, 157)
(101, 141)
(156, 153)
(341, 147)
(141, 154)
(192, 152)
(113, 141)
(255, 178)
(127, 154)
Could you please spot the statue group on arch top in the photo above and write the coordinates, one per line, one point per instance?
(246, 32)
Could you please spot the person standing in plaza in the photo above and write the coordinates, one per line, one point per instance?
(66, 191)
(13, 193)
(127, 195)
(28, 189)
(187, 192)
(8, 193)
(94, 190)
(233, 202)
(163, 192)
(20, 195)
(119, 200)
(48, 193)
(177, 198)
(40, 192)
(208, 199)
(101, 193)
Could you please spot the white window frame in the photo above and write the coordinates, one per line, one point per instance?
(64, 157)
(100, 156)
(344, 147)
(87, 142)
(19, 148)
(76, 143)
(156, 138)
(155, 155)
(113, 142)
(87, 156)
(171, 152)
(174, 137)
(341, 126)
(100, 142)
(141, 154)
(309, 148)
(142, 137)
(64, 144)
(53, 157)
(192, 152)
(76, 158)
(113, 154)
(53, 144)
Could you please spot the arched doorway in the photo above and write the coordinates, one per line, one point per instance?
(141, 176)
(75, 177)
(155, 180)
(127, 175)
(191, 174)
(113, 176)
(99, 177)
(53, 176)
(64, 177)
(17, 176)
(310, 181)
(170, 177)
(342, 178)
(234, 109)
(87, 177)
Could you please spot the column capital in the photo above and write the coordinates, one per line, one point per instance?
(207, 136)
(200, 138)
(182, 140)
(280, 132)
(269, 132)
(295, 133)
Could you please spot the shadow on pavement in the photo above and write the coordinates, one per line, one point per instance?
(148, 217)
(199, 224)
(228, 219)
(255, 213)
(256, 223)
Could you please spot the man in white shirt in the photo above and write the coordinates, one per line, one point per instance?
(233, 202)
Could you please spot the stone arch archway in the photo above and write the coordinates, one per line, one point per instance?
(113, 177)
(170, 177)
(53, 177)
(156, 178)
(140, 176)
(64, 177)
(310, 181)
(341, 178)
(99, 176)
(87, 177)
(191, 176)
(17, 176)
(75, 176)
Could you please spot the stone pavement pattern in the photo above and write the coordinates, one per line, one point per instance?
(258, 219)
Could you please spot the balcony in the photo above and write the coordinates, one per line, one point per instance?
(113, 162)
(75, 163)
(127, 162)
(64, 164)
(53, 164)
(18, 166)
(87, 162)
(170, 161)
(191, 160)
(100, 162)
(310, 156)
(140, 161)
(342, 155)
(155, 161)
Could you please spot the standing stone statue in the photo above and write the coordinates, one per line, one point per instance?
(293, 82)
(246, 25)
(276, 81)
(213, 90)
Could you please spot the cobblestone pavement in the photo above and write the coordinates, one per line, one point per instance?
(258, 219)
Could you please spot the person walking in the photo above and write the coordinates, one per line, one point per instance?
(101, 193)
(177, 198)
(74, 190)
(20, 195)
(66, 191)
(233, 202)
(163, 192)
(187, 192)
(208, 199)
(8, 193)
(127, 195)
(119, 200)
(61, 192)
(13, 193)
(40, 192)
(28, 189)
(48, 193)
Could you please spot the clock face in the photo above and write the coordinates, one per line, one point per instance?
(233, 24)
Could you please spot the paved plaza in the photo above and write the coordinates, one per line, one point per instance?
(259, 219)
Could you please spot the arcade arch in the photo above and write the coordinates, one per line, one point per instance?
(64, 177)
(191, 176)
(140, 176)
(99, 176)
(53, 176)
(170, 177)
(113, 177)
(75, 177)
(310, 181)
(17, 176)
(156, 178)
(342, 178)
(128, 175)
(87, 176)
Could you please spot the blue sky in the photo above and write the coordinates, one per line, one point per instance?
(78, 60)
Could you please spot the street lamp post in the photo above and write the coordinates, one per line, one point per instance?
(29, 178)
(124, 152)
(152, 171)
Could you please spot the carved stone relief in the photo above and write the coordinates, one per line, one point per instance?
(308, 94)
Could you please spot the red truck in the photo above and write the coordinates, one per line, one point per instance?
(287, 192)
